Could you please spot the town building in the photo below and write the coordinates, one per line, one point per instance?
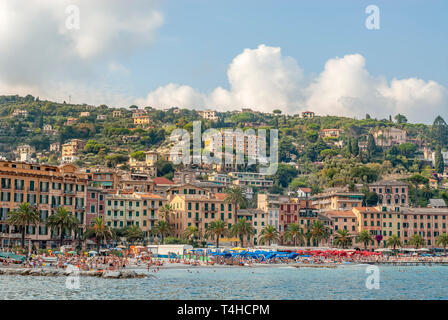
(70, 121)
(47, 188)
(20, 113)
(387, 137)
(337, 200)
(330, 133)
(199, 210)
(308, 114)
(141, 119)
(84, 114)
(391, 192)
(116, 113)
(208, 114)
(71, 149)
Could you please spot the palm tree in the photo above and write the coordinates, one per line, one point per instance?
(166, 211)
(342, 238)
(236, 196)
(417, 241)
(318, 231)
(133, 233)
(242, 228)
(100, 231)
(394, 241)
(191, 233)
(442, 240)
(269, 234)
(163, 228)
(364, 237)
(63, 221)
(24, 216)
(295, 233)
(216, 229)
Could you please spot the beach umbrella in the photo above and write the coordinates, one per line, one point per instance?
(57, 252)
(72, 252)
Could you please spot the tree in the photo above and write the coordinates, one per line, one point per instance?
(442, 240)
(295, 233)
(269, 233)
(166, 211)
(417, 241)
(133, 233)
(63, 221)
(138, 155)
(355, 147)
(277, 111)
(236, 197)
(216, 229)
(191, 233)
(371, 146)
(416, 180)
(439, 131)
(401, 119)
(24, 216)
(241, 229)
(394, 241)
(318, 230)
(439, 162)
(371, 199)
(364, 237)
(163, 228)
(342, 238)
(100, 231)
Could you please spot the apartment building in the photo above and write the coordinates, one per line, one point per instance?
(136, 209)
(208, 115)
(105, 178)
(308, 114)
(337, 200)
(47, 188)
(116, 113)
(391, 192)
(95, 204)
(200, 211)
(219, 178)
(141, 119)
(270, 205)
(342, 220)
(71, 149)
(387, 137)
(330, 133)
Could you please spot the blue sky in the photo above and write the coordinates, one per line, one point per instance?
(199, 39)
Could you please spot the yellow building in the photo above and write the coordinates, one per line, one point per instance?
(142, 119)
(337, 200)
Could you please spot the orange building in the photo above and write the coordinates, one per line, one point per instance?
(45, 187)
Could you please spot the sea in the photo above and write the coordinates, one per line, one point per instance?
(235, 283)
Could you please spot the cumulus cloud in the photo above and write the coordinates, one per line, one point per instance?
(263, 80)
(38, 52)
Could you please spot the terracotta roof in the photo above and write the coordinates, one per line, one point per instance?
(308, 190)
(344, 213)
(162, 180)
(151, 195)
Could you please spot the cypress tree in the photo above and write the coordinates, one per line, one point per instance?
(439, 164)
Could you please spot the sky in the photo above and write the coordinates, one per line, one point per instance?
(287, 54)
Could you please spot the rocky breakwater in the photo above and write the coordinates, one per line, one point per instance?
(43, 272)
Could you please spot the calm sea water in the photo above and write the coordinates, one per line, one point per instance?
(347, 282)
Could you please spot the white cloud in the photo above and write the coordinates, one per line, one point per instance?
(38, 54)
(263, 79)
